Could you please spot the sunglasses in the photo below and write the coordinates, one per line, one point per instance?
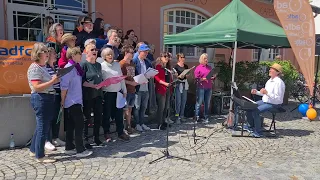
(44, 51)
(182, 57)
(95, 49)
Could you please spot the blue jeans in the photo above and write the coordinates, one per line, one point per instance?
(141, 104)
(253, 117)
(203, 95)
(181, 100)
(42, 105)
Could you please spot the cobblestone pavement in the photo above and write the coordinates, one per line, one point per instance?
(293, 154)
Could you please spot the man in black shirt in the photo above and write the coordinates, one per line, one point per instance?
(86, 33)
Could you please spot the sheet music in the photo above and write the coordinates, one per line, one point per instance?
(151, 73)
(186, 71)
(121, 101)
(140, 79)
(248, 99)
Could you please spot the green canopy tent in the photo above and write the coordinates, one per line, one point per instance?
(235, 26)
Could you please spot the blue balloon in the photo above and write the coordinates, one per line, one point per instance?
(303, 108)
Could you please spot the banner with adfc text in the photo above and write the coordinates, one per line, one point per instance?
(297, 20)
(15, 59)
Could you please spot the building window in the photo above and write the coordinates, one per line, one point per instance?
(272, 54)
(76, 5)
(30, 2)
(177, 21)
(266, 1)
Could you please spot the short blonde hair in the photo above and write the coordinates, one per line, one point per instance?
(105, 52)
(37, 49)
(204, 55)
(72, 52)
(109, 33)
(90, 41)
(89, 47)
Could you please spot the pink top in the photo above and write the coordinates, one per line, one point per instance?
(63, 57)
(202, 71)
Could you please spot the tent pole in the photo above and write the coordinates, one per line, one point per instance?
(233, 67)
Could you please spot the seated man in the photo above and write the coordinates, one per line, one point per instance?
(272, 97)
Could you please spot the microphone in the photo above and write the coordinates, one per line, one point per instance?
(168, 70)
(174, 70)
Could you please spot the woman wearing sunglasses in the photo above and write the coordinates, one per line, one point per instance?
(92, 97)
(181, 88)
(42, 100)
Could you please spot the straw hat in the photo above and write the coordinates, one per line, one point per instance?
(277, 67)
(66, 37)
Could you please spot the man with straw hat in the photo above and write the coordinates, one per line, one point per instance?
(68, 41)
(272, 97)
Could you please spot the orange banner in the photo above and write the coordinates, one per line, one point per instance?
(297, 20)
(15, 59)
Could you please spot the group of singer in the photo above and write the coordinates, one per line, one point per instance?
(79, 97)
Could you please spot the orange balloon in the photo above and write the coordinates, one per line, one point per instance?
(311, 114)
(310, 106)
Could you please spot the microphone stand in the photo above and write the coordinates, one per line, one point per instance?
(165, 152)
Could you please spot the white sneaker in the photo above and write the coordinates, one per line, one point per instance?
(168, 120)
(70, 152)
(58, 142)
(139, 128)
(146, 128)
(205, 120)
(49, 146)
(85, 153)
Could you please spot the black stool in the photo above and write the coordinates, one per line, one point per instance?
(274, 112)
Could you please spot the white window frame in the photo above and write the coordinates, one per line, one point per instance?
(175, 25)
(273, 52)
(185, 7)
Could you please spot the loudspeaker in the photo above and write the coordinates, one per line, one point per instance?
(317, 52)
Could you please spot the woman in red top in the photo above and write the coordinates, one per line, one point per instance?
(162, 82)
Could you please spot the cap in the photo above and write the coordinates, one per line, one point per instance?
(86, 19)
(144, 47)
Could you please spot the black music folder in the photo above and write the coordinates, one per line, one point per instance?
(212, 72)
(64, 71)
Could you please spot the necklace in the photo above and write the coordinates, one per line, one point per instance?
(97, 72)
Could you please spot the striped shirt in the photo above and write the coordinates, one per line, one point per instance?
(52, 71)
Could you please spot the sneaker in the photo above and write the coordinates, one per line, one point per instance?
(168, 120)
(70, 152)
(124, 137)
(49, 146)
(107, 138)
(45, 160)
(178, 121)
(83, 154)
(139, 128)
(205, 120)
(130, 130)
(183, 119)
(146, 128)
(58, 142)
(247, 128)
(256, 135)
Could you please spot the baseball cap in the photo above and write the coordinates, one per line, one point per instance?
(144, 47)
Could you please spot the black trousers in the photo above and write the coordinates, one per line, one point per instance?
(94, 104)
(109, 107)
(74, 124)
